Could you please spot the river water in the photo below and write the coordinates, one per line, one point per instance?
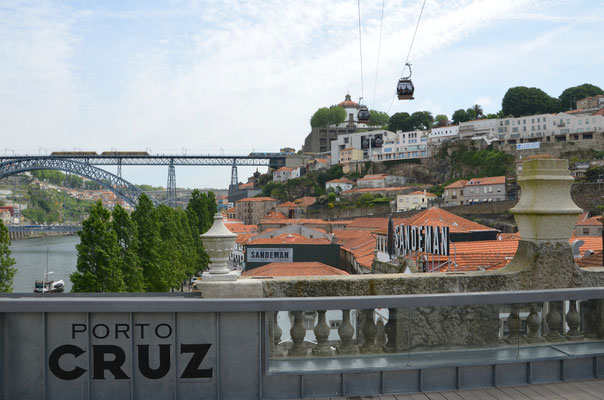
(30, 256)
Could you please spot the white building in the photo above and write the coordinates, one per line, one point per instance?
(443, 133)
(282, 174)
(414, 201)
(370, 142)
(403, 145)
(340, 184)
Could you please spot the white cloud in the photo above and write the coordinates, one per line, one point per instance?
(239, 75)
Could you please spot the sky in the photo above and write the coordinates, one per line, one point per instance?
(232, 77)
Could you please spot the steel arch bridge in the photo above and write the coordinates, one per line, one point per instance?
(122, 188)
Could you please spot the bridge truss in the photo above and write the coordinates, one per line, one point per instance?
(84, 164)
(122, 188)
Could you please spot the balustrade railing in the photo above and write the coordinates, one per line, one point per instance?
(427, 331)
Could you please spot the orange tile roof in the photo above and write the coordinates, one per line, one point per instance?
(489, 180)
(372, 177)
(306, 201)
(241, 228)
(243, 238)
(311, 268)
(582, 217)
(231, 210)
(275, 215)
(384, 189)
(283, 169)
(256, 199)
(341, 180)
(361, 244)
(320, 160)
(599, 112)
(591, 261)
(288, 204)
(428, 194)
(300, 221)
(290, 238)
(247, 185)
(438, 217)
(593, 221)
(457, 184)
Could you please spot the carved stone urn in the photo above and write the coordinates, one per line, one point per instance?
(219, 242)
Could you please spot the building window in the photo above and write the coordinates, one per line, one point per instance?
(334, 323)
(586, 231)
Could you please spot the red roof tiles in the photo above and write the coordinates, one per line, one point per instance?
(312, 268)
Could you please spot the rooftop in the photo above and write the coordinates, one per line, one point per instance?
(294, 269)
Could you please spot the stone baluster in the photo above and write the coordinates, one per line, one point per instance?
(380, 336)
(554, 323)
(297, 333)
(533, 323)
(322, 334)
(274, 333)
(573, 320)
(346, 332)
(390, 331)
(513, 325)
(589, 314)
(369, 331)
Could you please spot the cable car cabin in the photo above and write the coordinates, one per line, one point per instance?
(405, 89)
(364, 115)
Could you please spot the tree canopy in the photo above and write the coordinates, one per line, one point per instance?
(441, 120)
(521, 101)
(569, 97)
(404, 122)
(325, 117)
(378, 118)
(7, 271)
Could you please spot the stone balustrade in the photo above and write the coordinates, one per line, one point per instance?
(332, 333)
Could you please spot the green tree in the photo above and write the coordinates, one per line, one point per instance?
(127, 238)
(478, 110)
(441, 120)
(472, 115)
(147, 225)
(98, 266)
(460, 116)
(520, 101)
(401, 121)
(378, 118)
(422, 120)
(324, 117)
(211, 206)
(569, 97)
(7, 271)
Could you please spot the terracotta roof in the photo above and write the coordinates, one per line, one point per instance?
(283, 169)
(372, 177)
(372, 223)
(290, 238)
(428, 194)
(306, 201)
(241, 228)
(361, 244)
(341, 180)
(312, 268)
(275, 215)
(320, 160)
(300, 221)
(599, 112)
(457, 184)
(438, 217)
(243, 238)
(385, 189)
(593, 221)
(256, 199)
(231, 210)
(582, 217)
(249, 185)
(591, 261)
(290, 204)
(489, 180)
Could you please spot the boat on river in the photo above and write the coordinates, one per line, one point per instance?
(44, 286)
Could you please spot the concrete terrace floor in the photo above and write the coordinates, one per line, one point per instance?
(592, 389)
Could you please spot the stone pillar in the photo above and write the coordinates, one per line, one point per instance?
(219, 242)
(546, 216)
(346, 332)
(321, 331)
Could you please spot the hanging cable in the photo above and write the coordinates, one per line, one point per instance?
(414, 33)
(360, 46)
(410, 47)
(377, 67)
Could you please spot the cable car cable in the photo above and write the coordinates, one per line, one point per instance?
(377, 67)
(360, 46)
(410, 47)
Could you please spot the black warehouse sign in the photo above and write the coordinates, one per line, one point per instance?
(425, 239)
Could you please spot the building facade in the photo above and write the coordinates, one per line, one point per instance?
(443, 134)
(251, 209)
(453, 193)
(414, 201)
(480, 190)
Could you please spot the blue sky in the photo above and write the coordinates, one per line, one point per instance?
(236, 76)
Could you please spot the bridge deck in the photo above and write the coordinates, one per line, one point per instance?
(592, 389)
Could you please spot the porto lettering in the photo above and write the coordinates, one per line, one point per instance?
(108, 359)
(425, 239)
